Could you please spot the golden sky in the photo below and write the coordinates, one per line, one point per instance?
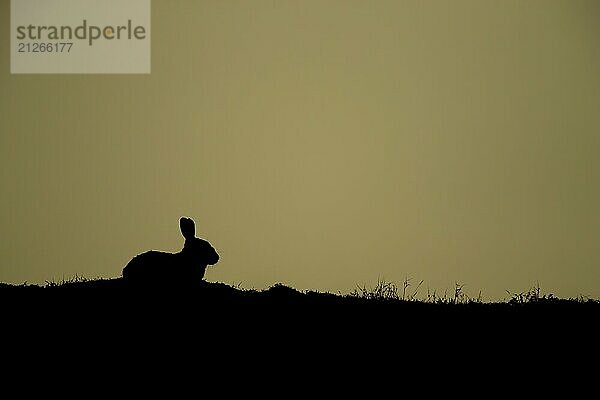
(321, 144)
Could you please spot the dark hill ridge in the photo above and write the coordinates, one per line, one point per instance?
(279, 321)
(118, 290)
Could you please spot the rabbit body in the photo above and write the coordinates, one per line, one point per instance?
(186, 266)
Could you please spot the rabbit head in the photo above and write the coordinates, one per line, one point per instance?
(195, 249)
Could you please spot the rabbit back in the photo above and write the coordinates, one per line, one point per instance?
(151, 266)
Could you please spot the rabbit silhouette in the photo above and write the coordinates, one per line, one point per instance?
(185, 267)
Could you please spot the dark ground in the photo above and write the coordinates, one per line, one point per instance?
(240, 338)
(115, 300)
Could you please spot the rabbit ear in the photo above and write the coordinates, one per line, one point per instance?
(188, 228)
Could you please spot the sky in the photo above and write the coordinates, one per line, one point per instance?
(321, 144)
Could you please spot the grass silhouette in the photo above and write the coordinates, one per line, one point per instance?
(382, 293)
(218, 321)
